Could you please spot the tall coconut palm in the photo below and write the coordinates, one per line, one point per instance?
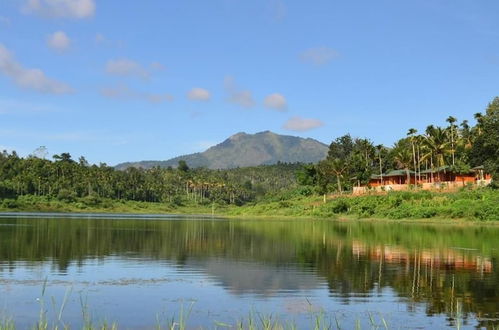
(437, 144)
(466, 136)
(479, 123)
(412, 133)
(403, 158)
(451, 120)
(379, 148)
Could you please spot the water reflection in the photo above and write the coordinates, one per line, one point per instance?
(441, 267)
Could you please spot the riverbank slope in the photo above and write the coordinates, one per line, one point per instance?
(478, 205)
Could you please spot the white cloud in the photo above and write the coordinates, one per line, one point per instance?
(276, 101)
(299, 124)
(78, 9)
(100, 38)
(319, 55)
(237, 96)
(34, 79)
(23, 107)
(126, 67)
(68, 136)
(122, 92)
(157, 66)
(277, 9)
(5, 21)
(103, 40)
(199, 94)
(59, 41)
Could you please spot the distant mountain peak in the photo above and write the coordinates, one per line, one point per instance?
(243, 150)
(238, 136)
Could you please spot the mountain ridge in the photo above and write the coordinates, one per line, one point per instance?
(244, 150)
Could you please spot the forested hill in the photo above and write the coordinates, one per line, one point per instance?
(243, 150)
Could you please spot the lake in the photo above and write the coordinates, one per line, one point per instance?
(139, 271)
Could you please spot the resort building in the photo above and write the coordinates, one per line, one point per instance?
(442, 178)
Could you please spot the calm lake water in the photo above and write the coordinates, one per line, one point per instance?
(135, 270)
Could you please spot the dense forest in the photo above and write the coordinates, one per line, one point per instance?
(350, 161)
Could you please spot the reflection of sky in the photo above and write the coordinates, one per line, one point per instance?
(135, 292)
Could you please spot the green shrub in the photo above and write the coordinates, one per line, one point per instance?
(10, 204)
(66, 195)
(339, 206)
(91, 200)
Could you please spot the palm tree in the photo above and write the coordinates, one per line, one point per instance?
(379, 148)
(403, 158)
(412, 133)
(335, 166)
(466, 136)
(479, 122)
(451, 120)
(437, 146)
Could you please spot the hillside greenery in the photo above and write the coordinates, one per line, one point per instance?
(244, 150)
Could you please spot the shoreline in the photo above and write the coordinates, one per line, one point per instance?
(161, 216)
(474, 206)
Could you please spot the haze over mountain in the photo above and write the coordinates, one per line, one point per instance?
(243, 150)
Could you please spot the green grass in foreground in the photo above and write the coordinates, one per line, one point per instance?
(480, 204)
(315, 319)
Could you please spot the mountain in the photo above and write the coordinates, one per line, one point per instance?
(243, 150)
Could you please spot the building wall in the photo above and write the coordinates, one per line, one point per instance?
(437, 186)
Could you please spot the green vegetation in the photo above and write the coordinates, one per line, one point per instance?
(482, 204)
(319, 320)
(243, 150)
(37, 184)
(352, 161)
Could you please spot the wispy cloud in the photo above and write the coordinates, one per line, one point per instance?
(22, 107)
(5, 21)
(101, 39)
(157, 66)
(199, 94)
(276, 101)
(77, 9)
(34, 79)
(238, 96)
(123, 92)
(319, 55)
(126, 67)
(277, 9)
(299, 124)
(59, 41)
(64, 136)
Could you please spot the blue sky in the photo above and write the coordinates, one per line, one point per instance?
(130, 80)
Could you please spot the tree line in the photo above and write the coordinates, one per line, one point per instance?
(67, 179)
(350, 161)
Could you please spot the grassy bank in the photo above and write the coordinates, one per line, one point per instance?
(480, 205)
